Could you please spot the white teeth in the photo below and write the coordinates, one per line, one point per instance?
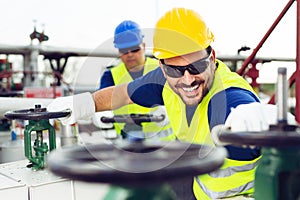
(190, 89)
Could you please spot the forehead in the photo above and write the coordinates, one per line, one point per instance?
(187, 58)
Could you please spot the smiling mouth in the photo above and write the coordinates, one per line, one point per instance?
(190, 89)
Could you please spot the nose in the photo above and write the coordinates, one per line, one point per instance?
(187, 78)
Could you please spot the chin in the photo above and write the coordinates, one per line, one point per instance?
(190, 102)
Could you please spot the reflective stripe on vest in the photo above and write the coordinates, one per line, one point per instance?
(229, 171)
(227, 193)
(120, 75)
(199, 132)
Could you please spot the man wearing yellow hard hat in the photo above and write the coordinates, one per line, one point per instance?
(199, 93)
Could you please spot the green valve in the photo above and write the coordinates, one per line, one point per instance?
(40, 147)
(160, 192)
(278, 174)
(38, 118)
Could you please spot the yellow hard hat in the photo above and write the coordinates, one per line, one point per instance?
(180, 31)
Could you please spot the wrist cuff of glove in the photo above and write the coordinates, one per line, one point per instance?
(84, 105)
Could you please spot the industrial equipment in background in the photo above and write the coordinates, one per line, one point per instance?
(27, 177)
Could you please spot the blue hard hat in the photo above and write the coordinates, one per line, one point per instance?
(127, 34)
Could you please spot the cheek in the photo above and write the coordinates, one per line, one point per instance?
(210, 79)
(171, 81)
(205, 75)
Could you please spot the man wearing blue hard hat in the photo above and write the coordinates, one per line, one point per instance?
(128, 39)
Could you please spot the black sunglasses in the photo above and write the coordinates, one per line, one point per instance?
(131, 50)
(194, 68)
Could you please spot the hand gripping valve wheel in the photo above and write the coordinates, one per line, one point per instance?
(133, 124)
(277, 174)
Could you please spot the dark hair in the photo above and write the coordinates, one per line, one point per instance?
(208, 49)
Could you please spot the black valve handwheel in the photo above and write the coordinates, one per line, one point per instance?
(36, 113)
(135, 163)
(133, 118)
(264, 138)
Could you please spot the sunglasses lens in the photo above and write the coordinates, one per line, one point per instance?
(132, 50)
(198, 67)
(123, 51)
(195, 68)
(173, 72)
(135, 50)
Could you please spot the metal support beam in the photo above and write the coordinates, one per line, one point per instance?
(253, 54)
(297, 86)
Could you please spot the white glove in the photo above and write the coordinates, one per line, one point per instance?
(254, 117)
(158, 111)
(215, 132)
(97, 119)
(82, 106)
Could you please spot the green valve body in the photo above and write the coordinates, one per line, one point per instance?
(40, 147)
(278, 174)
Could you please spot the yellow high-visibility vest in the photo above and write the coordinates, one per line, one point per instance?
(234, 177)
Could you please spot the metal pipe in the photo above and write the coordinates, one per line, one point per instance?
(281, 96)
(69, 135)
(297, 86)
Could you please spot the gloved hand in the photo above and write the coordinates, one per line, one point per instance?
(82, 106)
(158, 111)
(254, 117)
(97, 119)
(216, 131)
